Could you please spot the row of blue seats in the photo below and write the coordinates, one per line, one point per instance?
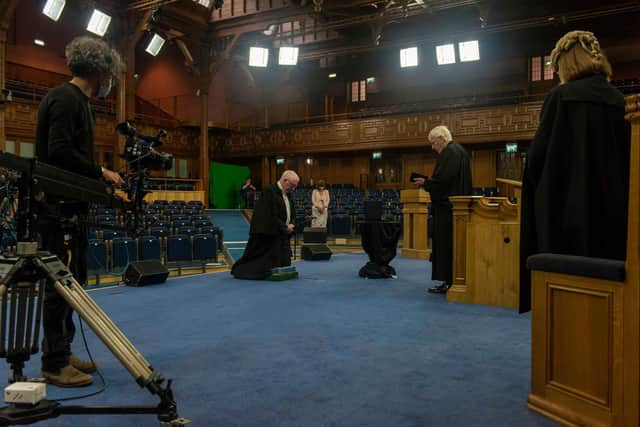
(104, 256)
(160, 232)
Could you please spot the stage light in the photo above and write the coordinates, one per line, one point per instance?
(309, 160)
(155, 44)
(271, 30)
(38, 42)
(409, 57)
(288, 55)
(99, 23)
(446, 54)
(258, 57)
(53, 8)
(332, 75)
(469, 51)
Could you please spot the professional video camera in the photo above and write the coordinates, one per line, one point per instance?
(140, 150)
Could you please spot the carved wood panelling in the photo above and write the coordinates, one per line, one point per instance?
(21, 119)
(488, 124)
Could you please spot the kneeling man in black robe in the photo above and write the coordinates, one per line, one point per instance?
(270, 233)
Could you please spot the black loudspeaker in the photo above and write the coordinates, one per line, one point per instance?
(315, 252)
(373, 210)
(315, 235)
(141, 273)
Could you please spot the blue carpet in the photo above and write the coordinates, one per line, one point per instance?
(236, 230)
(236, 227)
(328, 349)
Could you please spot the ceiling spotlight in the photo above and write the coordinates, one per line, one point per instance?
(271, 30)
(258, 57)
(288, 55)
(409, 57)
(155, 44)
(445, 54)
(38, 42)
(99, 23)
(469, 51)
(53, 8)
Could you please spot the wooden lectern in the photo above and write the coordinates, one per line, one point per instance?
(486, 248)
(415, 214)
(585, 325)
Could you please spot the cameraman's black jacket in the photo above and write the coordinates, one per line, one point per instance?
(64, 136)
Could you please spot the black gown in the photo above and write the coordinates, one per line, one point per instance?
(451, 177)
(576, 179)
(269, 245)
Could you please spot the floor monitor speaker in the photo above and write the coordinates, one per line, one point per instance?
(315, 235)
(148, 272)
(315, 252)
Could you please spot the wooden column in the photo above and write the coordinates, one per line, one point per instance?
(631, 317)
(266, 171)
(461, 216)
(126, 96)
(415, 213)
(204, 143)
(6, 13)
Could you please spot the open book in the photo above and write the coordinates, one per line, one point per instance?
(415, 175)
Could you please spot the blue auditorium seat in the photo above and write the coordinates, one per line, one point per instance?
(160, 223)
(340, 225)
(178, 248)
(202, 223)
(97, 256)
(105, 219)
(150, 248)
(159, 231)
(204, 247)
(187, 230)
(123, 251)
(195, 204)
(181, 223)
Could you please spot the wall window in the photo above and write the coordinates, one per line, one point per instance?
(541, 68)
(358, 92)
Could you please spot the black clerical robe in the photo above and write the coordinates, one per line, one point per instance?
(268, 246)
(576, 179)
(451, 177)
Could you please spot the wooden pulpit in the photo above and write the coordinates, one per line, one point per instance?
(585, 325)
(415, 213)
(486, 247)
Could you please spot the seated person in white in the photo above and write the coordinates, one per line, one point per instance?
(320, 205)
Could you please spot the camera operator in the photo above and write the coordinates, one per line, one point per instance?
(65, 138)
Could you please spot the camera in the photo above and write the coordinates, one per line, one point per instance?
(140, 150)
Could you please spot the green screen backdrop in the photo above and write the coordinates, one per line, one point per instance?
(225, 182)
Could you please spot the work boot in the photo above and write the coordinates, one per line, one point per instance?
(85, 366)
(68, 377)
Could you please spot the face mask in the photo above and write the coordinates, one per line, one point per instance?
(104, 89)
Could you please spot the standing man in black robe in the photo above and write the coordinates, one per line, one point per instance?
(271, 228)
(451, 177)
(575, 186)
(64, 138)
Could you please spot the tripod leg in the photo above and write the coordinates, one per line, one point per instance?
(113, 338)
(69, 289)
